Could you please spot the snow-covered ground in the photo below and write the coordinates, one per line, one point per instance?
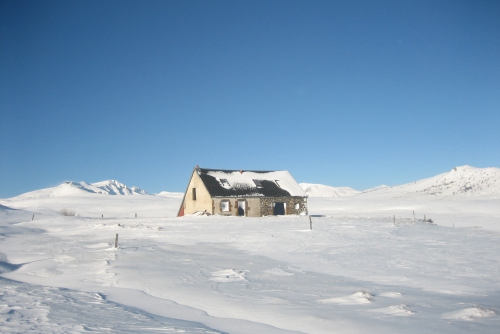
(354, 272)
(321, 190)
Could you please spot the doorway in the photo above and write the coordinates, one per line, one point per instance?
(241, 208)
(279, 209)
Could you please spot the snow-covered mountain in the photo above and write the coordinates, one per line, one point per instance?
(113, 187)
(460, 181)
(321, 190)
(109, 187)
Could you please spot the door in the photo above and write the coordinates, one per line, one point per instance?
(279, 209)
(241, 208)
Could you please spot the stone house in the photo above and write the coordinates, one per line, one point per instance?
(243, 193)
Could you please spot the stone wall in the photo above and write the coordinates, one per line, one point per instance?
(267, 208)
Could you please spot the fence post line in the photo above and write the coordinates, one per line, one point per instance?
(116, 241)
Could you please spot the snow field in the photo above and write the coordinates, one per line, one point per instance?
(271, 274)
(26, 308)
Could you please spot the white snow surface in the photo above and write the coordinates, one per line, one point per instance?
(321, 190)
(357, 271)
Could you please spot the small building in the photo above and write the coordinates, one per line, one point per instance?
(243, 193)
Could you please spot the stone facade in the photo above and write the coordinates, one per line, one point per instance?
(293, 205)
(259, 206)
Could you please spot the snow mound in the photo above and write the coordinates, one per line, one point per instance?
(395, 310)
(360, 297)
(321, 190)
(391, 294)
(110, 187)
(278, 272)
(464, 181)
(228, 275)
(4, 208)
(6, 267)
(469, 314)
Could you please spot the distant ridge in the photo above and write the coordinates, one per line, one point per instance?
(109, 187)
(462, 181)
(113, 187)
(170, 194)
(321, 190)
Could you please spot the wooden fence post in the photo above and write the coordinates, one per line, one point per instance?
(33, 217)
(116, 241)
(310, 223)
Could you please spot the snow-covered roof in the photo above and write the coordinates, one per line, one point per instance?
(246, 183)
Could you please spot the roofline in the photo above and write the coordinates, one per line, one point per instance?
(244, 170)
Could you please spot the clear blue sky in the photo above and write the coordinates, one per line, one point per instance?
(343, 93)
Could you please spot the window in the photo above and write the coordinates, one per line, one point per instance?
(224, 206)
(257, 183)
(194, 194)
(297, 206)
(225, 183)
